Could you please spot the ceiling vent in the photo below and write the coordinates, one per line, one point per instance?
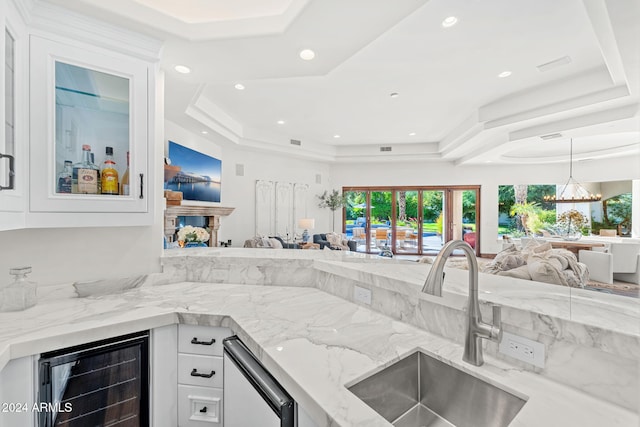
(296, 142)
(551, 136)
(554, 64)
(385, 148)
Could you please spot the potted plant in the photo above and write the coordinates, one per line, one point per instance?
(333, 201)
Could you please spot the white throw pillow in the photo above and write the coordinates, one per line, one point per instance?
(264, 243)
(334, 239)
(275, 243)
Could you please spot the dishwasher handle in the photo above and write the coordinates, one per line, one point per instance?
(273, 393)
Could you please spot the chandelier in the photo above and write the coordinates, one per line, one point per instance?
(573, 191)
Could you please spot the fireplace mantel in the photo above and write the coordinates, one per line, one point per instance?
(213, 213)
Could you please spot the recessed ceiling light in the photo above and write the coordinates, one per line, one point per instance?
(182, 69)
(450, 21)
(204, 132)
(412, 134)
(394, 95)
(504, 74)
(280, 122)
(336, 136)
(239, 86)
(307, 54)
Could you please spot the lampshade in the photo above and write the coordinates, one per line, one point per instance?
(306, 223)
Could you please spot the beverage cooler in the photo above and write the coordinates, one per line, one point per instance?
(98, 384)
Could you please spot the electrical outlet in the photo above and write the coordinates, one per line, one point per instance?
(522, 349)
(362, 295)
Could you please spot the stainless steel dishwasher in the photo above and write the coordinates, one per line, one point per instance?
(252, 397)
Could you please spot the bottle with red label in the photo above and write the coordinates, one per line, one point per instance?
(109, 174)
(85, 174)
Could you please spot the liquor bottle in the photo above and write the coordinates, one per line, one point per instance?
(93, 161)
(65, 178)
(124, 184)
(109, 174)
(85, 174)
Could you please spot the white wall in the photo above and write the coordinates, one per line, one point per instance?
(489, 177)
(239, 191)
(80, 254)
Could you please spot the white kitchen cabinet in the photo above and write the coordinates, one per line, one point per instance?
(163, 358)
(71, 81)
(200, 375)
(187, 376)
(13, 111)
(86, 97)
(17, 394)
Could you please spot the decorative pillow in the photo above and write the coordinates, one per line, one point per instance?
(334, 239)
(521, 272)
(264, 243)
(275, 243)
(542, 270)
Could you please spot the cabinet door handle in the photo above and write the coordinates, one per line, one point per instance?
(203, 410)
(195, 373)
(142, 186)
(12, 171)
(195, 341)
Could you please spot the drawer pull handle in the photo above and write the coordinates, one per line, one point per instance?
(204, 410)
(195, 373)
(195, 341)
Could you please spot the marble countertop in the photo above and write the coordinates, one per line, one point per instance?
(606, 311)
(601, 310)
(314, 343)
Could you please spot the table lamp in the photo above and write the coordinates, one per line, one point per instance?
(306, 224)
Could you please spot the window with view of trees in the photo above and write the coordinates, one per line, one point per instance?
(522, 210)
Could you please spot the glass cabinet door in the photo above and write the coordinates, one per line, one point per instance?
(8, 150)
(89, 130)
(13, 139)
(92, 138)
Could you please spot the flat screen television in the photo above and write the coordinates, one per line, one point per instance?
(196, 175)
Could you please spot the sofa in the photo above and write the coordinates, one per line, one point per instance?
(334, 241)
(271, 242)
(539, 262)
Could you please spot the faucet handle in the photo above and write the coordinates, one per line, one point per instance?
(497, 314)
(496, 321)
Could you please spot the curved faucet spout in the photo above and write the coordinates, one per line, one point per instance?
(476, 328)
(435, 279)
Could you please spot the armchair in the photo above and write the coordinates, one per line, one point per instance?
(621, 262)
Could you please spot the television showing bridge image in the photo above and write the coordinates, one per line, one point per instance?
(195, 174)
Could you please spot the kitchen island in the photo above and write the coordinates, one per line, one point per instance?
(313, 342)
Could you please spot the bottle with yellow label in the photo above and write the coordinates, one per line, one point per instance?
(109, 174)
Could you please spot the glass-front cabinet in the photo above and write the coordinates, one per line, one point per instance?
(89, 127)
(13, 140)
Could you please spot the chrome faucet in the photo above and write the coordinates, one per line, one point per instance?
(476, 328)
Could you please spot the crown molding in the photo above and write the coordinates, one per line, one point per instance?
(585, 120)
(56, 21)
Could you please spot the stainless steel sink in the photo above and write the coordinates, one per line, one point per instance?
(420, 391)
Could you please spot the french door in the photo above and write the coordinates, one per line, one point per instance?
(411, 220)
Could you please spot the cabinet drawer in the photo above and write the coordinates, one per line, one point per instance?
(199, 406)
(201, 339)
(204, 366)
